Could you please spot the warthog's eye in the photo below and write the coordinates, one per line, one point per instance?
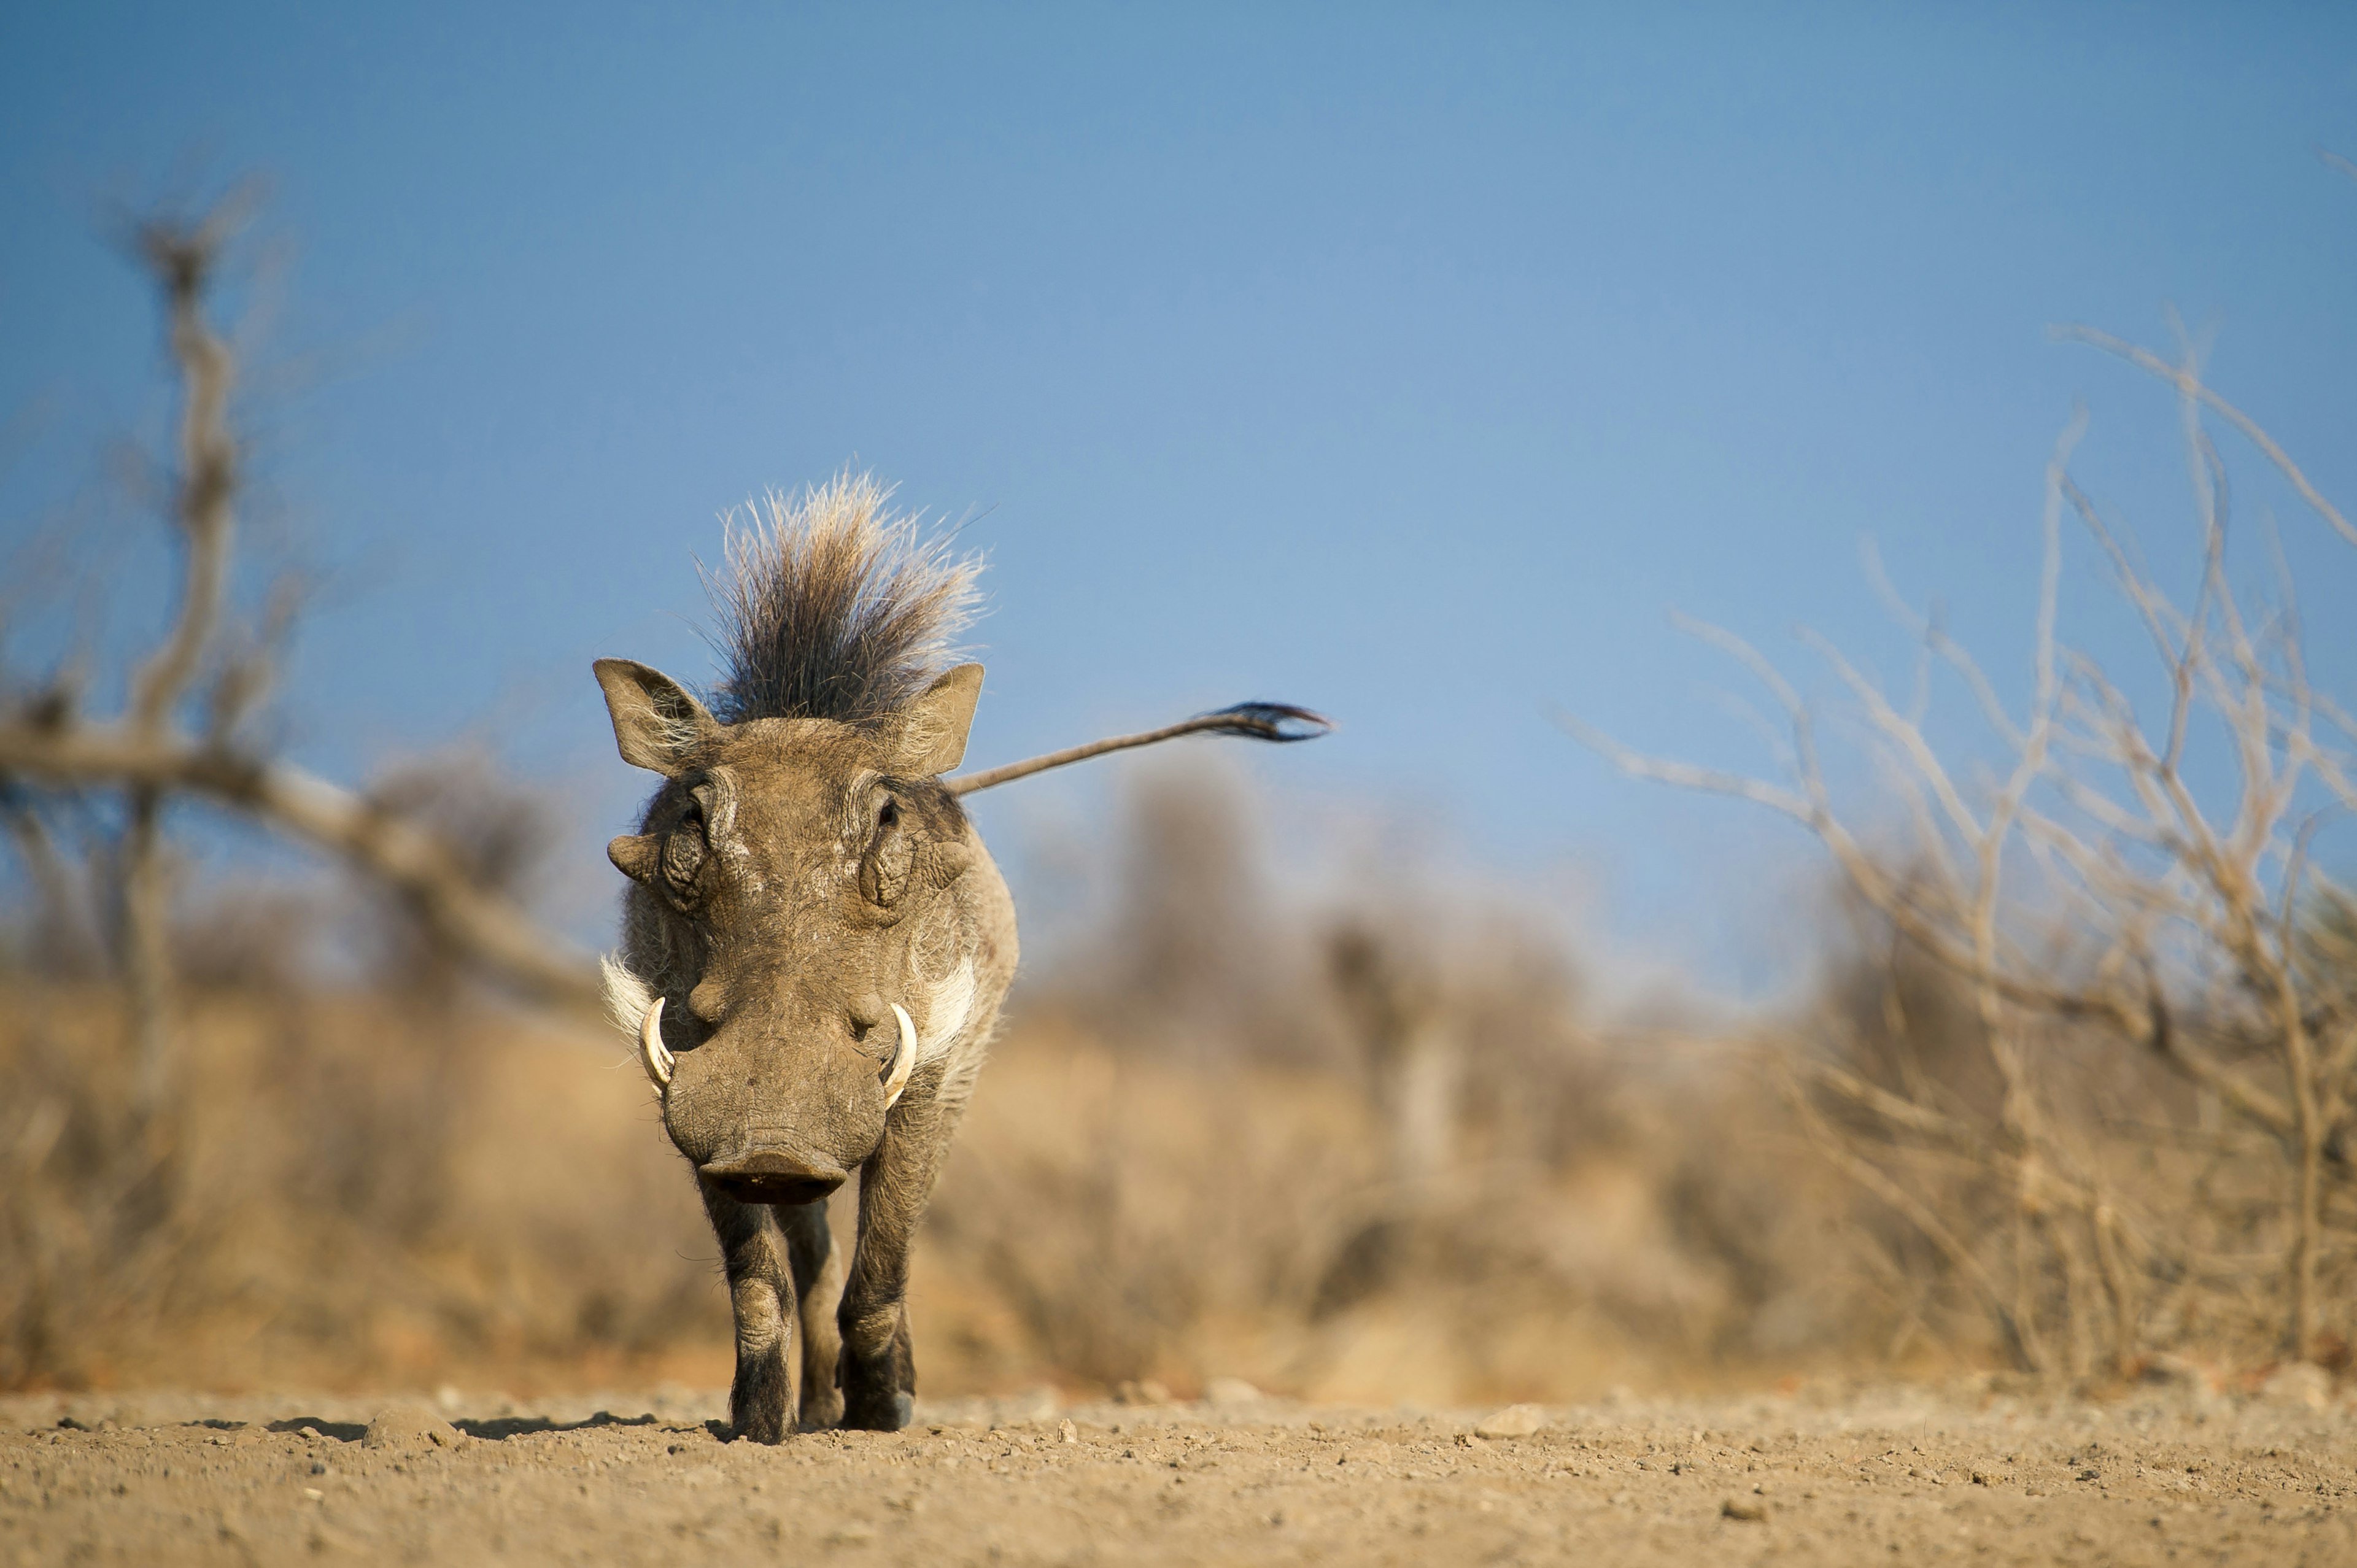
(884, 869)
(684, 852)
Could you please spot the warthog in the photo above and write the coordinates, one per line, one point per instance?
(816, 942)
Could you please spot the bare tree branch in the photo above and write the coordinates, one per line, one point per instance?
(481, 927)
(2190, 386)
(182, 256)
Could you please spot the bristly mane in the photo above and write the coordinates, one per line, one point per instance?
(834, 607)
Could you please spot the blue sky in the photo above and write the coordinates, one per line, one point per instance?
(1410, 362)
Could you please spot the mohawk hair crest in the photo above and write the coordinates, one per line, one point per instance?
(834, 606)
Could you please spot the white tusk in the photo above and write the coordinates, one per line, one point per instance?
(904, 1059)
(652, 1053)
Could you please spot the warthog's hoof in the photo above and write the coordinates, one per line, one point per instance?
(757, 1425)
(879, 1413)
(769, 1434)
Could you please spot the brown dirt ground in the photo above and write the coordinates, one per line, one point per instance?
(1865, 1474)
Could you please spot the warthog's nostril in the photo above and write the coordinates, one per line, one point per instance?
(774, 1176)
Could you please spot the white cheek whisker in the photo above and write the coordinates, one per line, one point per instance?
(949, 1007)
(628, 995)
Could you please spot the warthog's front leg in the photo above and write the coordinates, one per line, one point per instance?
(878, 1373)
(761, 1293)
(818, 1267)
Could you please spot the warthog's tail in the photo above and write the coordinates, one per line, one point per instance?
(1254, 721)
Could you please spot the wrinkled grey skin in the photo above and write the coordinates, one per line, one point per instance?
(792, 880)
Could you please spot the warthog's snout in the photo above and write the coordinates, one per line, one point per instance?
(770, 1173)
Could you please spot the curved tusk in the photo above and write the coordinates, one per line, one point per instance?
(653, 1055)
(904, 1059)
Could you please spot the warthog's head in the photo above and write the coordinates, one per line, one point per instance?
(806, 924)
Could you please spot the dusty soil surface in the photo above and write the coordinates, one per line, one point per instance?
(1883, 1477)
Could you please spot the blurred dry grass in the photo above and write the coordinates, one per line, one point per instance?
(1113, 1219)
(354, 1192)
(1445, 1182)
(344, 1193)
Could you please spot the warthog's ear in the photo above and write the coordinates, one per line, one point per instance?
(657, 725)
(933, 728)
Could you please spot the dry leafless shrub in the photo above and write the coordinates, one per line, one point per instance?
(2064, 936)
